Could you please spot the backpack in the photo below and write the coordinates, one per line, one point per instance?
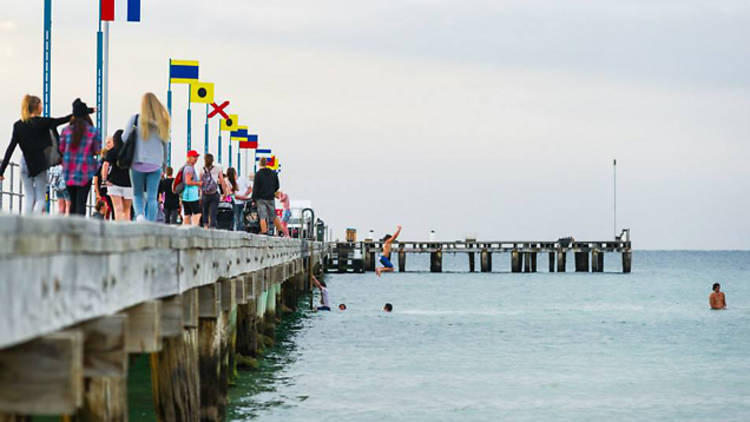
(56, 179)
(208, 184)
(178, 185)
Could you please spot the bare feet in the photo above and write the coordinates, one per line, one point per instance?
(378, 271)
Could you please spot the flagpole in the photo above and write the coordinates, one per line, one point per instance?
(239, 151)
(255, 160)
(104, 111)
(169, 108)
(219, 140)
(189, 141)
(230, 152)
(46, 69)
(205, 138)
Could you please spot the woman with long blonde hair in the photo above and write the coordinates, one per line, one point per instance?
(151, 128)
(33, 134)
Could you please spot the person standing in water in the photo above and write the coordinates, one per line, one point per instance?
(717, 300)
(385, 257)
(324, 300)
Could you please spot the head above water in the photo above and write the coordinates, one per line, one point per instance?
(388, 307)
(342, 306)
(716, 287)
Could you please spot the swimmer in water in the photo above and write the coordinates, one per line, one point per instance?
(717, 300)
(385, 257)
(388, 307)
(342, 307)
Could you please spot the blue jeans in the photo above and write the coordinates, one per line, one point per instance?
(34, 190)
(145, 185)
(238, 216)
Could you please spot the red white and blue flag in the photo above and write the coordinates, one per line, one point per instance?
(132, 7)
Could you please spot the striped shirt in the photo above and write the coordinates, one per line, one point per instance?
(79, 163)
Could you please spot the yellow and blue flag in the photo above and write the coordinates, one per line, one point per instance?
(239, 135)
(183, 71)
(202, 92)
(230, 124)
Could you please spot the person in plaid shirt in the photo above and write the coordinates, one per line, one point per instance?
(79, 143)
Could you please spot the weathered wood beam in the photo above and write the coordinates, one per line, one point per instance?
(144, 327)
(43, 376)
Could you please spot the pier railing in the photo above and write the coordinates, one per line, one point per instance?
(12, 194)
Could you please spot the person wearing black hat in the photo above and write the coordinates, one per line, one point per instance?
(33, 134)
(80, 142)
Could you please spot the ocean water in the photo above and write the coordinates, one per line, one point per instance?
(520, 347)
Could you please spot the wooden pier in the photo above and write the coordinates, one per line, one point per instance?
(81, 298)
(588, 255)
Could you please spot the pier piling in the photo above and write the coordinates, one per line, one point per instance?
(471, 262)
(551, 262)
(401, 260)
(486, 258)
(515, 261)
(436, 261)
(561, 261)
(627, 259)
(582, 261)
(597, 261)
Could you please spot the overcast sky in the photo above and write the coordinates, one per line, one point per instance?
(491, 118)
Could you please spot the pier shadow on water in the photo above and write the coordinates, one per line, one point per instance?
(254, 392)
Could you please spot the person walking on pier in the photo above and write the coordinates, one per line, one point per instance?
(151, 128)
(79, 144)
(190, 194)
(36, 136)
(171, 202)
(325, 302)
(283, 197)
(717, 300)
(117, 180)
(266, 183)
(212, 178)
(385, 257)
(241, 191)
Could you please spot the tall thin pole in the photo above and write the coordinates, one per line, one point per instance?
(169, 108)
(46, 72)
(205, 134)
(255, 160)
(219, 154)
(189, 141)
(239, 157)
(614, 197)
(230, 152)
(99, 68)
(47, 58)
(104, 111)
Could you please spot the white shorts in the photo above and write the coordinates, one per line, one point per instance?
(115, 190)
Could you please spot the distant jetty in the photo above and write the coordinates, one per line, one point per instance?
(352, 256)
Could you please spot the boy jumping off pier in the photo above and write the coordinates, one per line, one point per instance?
(385, 257)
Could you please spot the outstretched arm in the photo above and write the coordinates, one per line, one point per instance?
(317, 283)
(395, 235)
